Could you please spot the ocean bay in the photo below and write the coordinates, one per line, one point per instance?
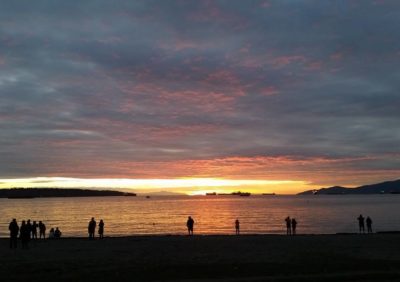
(125, 216)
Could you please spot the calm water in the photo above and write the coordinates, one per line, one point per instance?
(212, 214)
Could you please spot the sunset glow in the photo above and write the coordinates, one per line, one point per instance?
(191, 186)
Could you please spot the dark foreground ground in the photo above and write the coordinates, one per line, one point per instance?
(207, 258)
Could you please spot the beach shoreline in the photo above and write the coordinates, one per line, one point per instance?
(334, 257)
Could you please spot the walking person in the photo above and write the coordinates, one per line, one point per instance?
(14, 229)
(288, 226)
(101, 229)
(237, 226)
(92, 228)
(361, 224)
(190, 225)
(294, 225)
(369, 225)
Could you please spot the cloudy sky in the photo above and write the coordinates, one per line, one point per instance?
(298, 91)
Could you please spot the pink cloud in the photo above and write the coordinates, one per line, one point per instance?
(314, 170)
(180, 44)
(286, 60)
(269, 91)
(224, 77)
(313, 66)
(336, 56)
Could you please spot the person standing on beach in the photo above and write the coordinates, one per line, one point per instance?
(294, 225)
(369, 225)
(361, 223)
(34, 230)
(101, 229)
(92, 228)
(57, 233)
(51, 233)
(14, 229)
(288, 226)
(24, 234)
(29, 226)
(237, 226)
(42, 230)
(190, 224)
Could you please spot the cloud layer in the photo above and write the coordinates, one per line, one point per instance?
(299, 90)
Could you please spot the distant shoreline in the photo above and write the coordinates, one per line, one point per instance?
(30, 193)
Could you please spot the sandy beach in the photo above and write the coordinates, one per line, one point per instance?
(206, 258)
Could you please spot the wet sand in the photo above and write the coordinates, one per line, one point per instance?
(206, 258)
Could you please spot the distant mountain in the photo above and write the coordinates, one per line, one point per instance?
(19, 193)
(388, 187)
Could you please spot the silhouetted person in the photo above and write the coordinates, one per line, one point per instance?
(34, 230)
(29, 226)
(369, 224)
(91, 228)
(24, 234)
(288, 226)
(361, 223)
(14, 229)
(101, 229)
(237, 226)
(42, 230)
(57, 233)
(51, 233)
(294, 225)
(190, 224)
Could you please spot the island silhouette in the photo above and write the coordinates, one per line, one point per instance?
(19, 193)
(387, 187)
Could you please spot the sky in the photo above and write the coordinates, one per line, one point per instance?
(263, 96)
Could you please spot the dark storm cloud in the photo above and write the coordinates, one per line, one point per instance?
(86, 85)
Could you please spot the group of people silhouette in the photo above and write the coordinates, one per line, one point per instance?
(361, 224)
(55, 233)
(92, 229)
(29, 231)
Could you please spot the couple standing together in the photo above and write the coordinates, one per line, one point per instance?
(291, 225)
(92, 228)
